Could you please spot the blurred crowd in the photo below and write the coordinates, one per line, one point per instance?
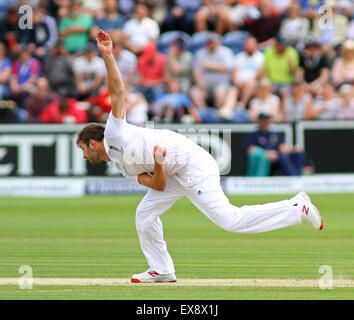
(190, 61)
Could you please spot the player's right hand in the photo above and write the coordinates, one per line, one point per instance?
(159, 154)
(104, 42)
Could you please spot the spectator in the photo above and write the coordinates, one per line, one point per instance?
(231, 110)
(265, 27)
(75, 28)
(37, 101)
(213, 10)
(140, 30)
(266, 148)
(25, 72)
(4, 6)
(59, 8)
(5, 73)
(294, 28)
(100, 106)
(181, 15)
(66, 110)
(126, 62)
(159, 10)
(242, 10)
(109, 21)
(346, 7)
(280, 64)
(151, 72)
(92, 6)
(265, 102)
(58, 69)
(33, 3)
(180, 64)
(347, 103)
(89, 73)
(310, 8)
(44, 35)
(326, 104)
(343, 67)
(283, 5)
(212, 73)
(10, 32)
(136, 107)
(297, 105)
(247, 68)
(126, 7)
(314, 67)
(174, 106)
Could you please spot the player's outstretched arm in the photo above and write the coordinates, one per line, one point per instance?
(114, 78)
(158, 180)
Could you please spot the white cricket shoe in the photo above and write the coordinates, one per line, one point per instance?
(150, 276)
(309, 212)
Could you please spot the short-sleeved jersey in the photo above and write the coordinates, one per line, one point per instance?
(278, 67)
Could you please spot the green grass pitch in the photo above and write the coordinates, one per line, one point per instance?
(95, 237)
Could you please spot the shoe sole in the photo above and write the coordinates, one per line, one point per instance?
(133, 280)
(317, 211)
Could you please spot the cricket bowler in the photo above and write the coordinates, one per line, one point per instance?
(173, 166)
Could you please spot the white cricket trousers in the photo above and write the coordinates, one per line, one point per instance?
(206, 194)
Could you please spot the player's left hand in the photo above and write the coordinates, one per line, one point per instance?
(159, 154)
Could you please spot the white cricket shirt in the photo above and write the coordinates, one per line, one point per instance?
(131, 148)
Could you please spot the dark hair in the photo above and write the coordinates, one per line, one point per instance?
(180, 43)
(91, 131)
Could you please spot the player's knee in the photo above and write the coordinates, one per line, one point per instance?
(229, 221)
(227, 227)
(142, 225)
(142, 221)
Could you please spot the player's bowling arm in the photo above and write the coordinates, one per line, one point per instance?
(115, 82)
(115, 86)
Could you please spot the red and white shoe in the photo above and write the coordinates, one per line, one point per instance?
(150, 276)
(309, 212)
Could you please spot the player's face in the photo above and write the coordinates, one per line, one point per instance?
(90, 153)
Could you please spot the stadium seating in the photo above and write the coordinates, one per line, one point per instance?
(167, 38)
(198, 41)
(235, 40)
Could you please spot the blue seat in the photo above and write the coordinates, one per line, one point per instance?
(167, 38)
(198, 41)
(235, 40)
